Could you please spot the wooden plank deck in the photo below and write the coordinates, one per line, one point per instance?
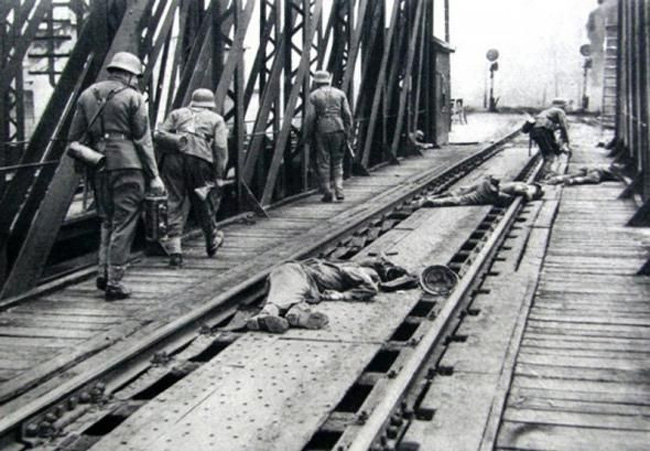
(582, 375)
(558, 355)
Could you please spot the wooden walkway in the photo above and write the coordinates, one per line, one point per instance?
(557, 356)
(582, 375)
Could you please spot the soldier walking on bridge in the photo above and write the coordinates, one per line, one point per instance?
(328, 121)
(194, 173)
(112, 118)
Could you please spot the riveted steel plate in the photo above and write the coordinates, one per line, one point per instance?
(263, 392)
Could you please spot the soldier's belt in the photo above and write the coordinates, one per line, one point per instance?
(116, 136)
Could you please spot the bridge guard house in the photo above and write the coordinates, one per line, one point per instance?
(442, 88)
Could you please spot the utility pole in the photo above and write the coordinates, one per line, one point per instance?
(492, 56)
(585, 51)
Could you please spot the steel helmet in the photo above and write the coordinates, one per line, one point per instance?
(322, 77)
(438, 280)
(127, 62)
(203, 98)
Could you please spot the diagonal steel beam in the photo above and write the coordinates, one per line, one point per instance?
(379, 89)
(406, 80)
(46, 222)
(289, 112)
(237, 49)
(15, 64)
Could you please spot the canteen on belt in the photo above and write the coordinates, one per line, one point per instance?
(86, 155)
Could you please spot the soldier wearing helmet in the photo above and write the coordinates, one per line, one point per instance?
(327, 126)
(112, 118)
(542, 131)
(192, 175)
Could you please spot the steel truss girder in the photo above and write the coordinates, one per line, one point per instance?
(209, 52)
(633, 88)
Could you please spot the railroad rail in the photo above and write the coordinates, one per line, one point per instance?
(47, 416)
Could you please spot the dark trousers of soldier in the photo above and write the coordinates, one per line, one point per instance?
(549, 148)
(330, 149)
(289, 285)
(119, 195)
(182, 174)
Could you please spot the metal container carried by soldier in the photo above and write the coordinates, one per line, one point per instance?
(86, 155)
(155, 216)
(170, 142)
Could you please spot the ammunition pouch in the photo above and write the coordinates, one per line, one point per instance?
(170, 142)
(88, 156)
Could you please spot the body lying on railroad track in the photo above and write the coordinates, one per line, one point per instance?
(295, 285)
(487, 191)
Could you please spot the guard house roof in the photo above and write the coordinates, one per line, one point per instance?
(443, 46)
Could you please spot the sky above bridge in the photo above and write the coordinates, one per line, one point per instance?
(538, 42)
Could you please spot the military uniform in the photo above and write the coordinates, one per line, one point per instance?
(294, 285)
(327, 125)
(197, 167)
(488, 191)
(122, 133)
(543, 133)
(586, 176)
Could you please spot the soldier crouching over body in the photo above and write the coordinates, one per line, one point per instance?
(192, 174)
(294, 285)
(487, 191)
(542, 131)
(112, 118)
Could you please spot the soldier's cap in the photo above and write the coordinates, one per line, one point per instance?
(322, 77)
(127, 62)
(203, 98)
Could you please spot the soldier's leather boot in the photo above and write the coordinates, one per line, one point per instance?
(115, 290)
(102, 278)
(304, 317)
(176, 260)
(214, 244)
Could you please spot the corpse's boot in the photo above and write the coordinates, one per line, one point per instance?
(115, 290)
(268, 320)
(302, 316)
